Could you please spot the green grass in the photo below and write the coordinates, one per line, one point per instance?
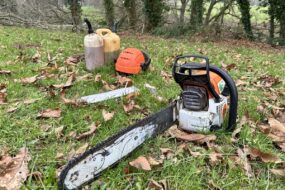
(22, 128)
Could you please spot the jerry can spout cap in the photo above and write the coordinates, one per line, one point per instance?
(90, 29)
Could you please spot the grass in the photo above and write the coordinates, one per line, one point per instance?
(22, 128)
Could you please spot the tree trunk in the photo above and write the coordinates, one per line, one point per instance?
(271, 12)
(196, 16)
(183, 10)
(209, 12)
(244, 7)
(131, 8)
(153, 11)
(282, 25)
(109, 12)
(75, 9)
(271, 29)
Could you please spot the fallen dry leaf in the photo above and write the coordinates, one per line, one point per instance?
(228, 67)
(276, 131)
(45, 127)
(36, 174)
(241, 83)
(265, 157)
(131, 96)
(107, 115)
(5, 72)
(92, 129)
(141, 163)
(58, 132)
(98, 77)
(275, 124)
(130, 106)
(108, 86)
(191, 137)
(88, 76)
(36, 57)
(167, 77)
(50, 113)
(73, 60)
(3, 87)
(11, 109)
(167, 153)
(278, 172)
(28, 80)
(14, 170)
(30, 101)
(152, 184)
(71, 102)
(244, 161)
(81, 149)
(268, 80)
(72, 134)
(3, 98)
(215, 158)
(235, 134)
(59, 156)
(160, 185)
(67, 84)
(124, 81)
(154, 162)
(194, 154)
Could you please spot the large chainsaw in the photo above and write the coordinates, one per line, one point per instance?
(208, 93)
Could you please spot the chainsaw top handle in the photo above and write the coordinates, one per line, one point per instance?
(180, 75)
(198, 67)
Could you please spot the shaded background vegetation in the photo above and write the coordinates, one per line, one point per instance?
(260, 20)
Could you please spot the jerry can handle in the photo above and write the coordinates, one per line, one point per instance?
(103, 31)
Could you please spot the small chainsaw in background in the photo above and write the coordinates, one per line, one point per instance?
(208, 94)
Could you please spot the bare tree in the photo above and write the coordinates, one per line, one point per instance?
(32, 13)
(184, 4)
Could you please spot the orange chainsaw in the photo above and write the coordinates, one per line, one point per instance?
(207, 94)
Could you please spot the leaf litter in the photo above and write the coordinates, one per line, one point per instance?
(50, 113)
(107, 115)
(14, 170)
(92, 129)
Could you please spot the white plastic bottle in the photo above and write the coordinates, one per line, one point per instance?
(94, 49)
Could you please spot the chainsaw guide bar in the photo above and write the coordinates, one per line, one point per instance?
(87, 167)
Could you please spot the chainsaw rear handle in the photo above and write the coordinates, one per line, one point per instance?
(223, 74)
(198, 66)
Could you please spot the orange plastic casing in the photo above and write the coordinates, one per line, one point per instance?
(130, 61)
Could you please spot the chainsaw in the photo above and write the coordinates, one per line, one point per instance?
(208, 95)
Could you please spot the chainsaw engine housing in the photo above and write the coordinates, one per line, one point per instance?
(203, 121)
(204, 98)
